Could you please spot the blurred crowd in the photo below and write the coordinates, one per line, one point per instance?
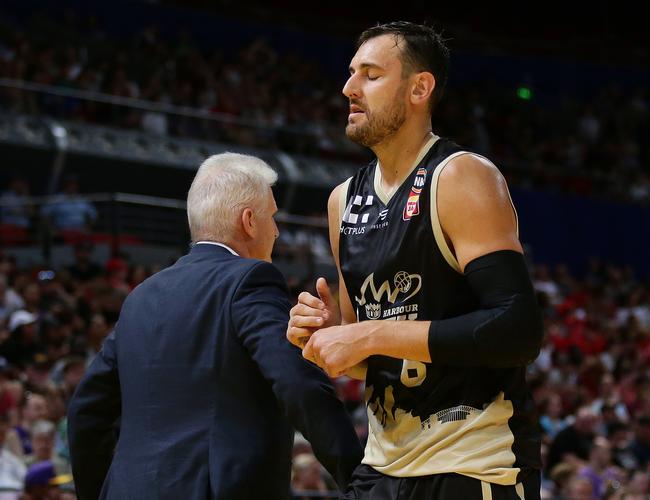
(52, 323)
(66, 217)
(589, 145)
(591, 382)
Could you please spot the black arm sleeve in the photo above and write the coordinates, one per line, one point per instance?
(506, 331)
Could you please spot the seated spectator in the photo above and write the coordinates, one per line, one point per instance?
(579, 488)
(600, 470)
(307, 476)
(117, 273)
(97, 331)
(43, 483)
(70, 216)
(573, 443)
(559, 478)
(638, 486)
(610, 399)
(22, 343)
(12, 469)
(37, 374)
(67, 373)
(552, 420)
(640, 445)
(620, 436)
(15, 212)
(34, 408)
(84, 269)
(43, 441)
(10, 301)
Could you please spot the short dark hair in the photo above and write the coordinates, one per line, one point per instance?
(424, 50)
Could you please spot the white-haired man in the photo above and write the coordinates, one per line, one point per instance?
(197, 371)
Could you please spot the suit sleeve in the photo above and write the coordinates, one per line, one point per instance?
(93, 413)
(260, 311)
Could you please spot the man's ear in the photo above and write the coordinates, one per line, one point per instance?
(423, 87)
(249, 223)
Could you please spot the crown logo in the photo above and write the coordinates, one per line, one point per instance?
(373, 311)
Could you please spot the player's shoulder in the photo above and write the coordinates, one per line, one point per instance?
(338, 191)
(469, 169)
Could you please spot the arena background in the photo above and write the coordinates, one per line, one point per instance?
(122, 100)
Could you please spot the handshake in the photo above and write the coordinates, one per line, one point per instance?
(315, 327)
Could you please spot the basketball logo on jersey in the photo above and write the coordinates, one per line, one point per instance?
(413, 203)
(404, 283)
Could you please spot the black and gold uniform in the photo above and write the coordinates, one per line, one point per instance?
(427, 419)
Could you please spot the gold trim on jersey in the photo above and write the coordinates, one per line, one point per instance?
(435, 220)
(384, 196)
(343, 195)
(519, 489)
(478, 445)
(486, 491)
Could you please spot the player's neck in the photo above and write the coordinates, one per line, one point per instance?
(397, 154)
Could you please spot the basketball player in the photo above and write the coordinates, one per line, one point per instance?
(426, 233)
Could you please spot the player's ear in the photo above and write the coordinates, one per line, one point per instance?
(423, 85)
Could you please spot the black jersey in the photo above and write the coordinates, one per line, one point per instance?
(425, 418)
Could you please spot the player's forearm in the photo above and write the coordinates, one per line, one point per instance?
(358, 371)
(506, 331)
(397, 339)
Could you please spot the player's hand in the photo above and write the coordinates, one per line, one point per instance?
(312, 313)
(338, 348)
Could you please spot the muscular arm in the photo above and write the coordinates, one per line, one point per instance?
(348, 316)
(480, 226)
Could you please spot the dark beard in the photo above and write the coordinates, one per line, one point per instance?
(378, 128)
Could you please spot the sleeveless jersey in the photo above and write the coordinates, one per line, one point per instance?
(427, 418)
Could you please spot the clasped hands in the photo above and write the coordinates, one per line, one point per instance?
(314, 326)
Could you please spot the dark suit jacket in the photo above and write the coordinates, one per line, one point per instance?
(206, 388)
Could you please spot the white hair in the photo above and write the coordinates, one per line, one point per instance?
(224, 185)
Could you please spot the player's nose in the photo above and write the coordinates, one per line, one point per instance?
(351, 89)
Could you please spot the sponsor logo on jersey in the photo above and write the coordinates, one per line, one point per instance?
(412, 206)
(420, 178)
(403, 284)
(373, 311)
(355, 218)
(352, 231)
(356, 205)
(400, 313)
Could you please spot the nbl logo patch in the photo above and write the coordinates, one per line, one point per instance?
(413, 203)
(420, 179)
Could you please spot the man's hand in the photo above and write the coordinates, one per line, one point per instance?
(312, 313)
(338, 348)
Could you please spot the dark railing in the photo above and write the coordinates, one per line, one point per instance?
(121, 219)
